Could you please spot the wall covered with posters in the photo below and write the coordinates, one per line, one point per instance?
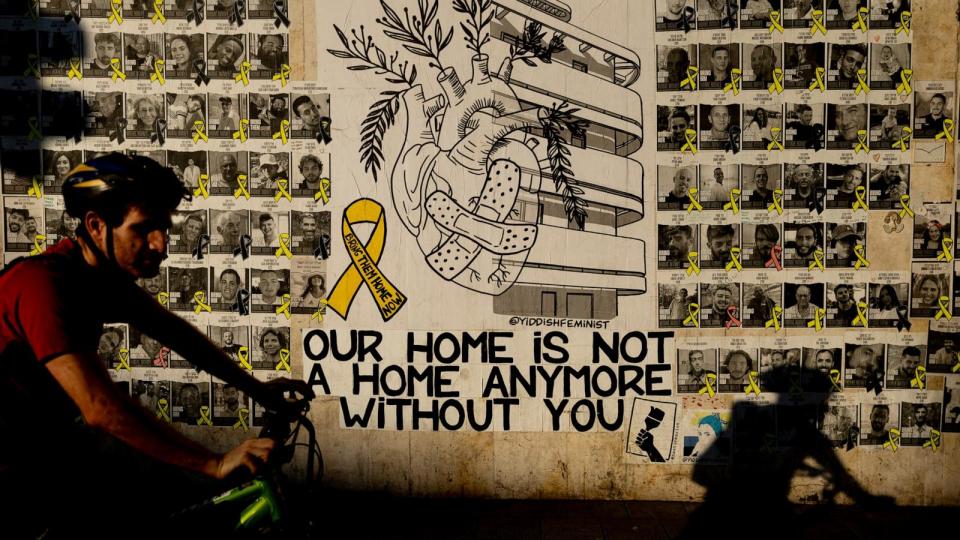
(533, 248)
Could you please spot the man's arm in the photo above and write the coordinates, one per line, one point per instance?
(104, 407)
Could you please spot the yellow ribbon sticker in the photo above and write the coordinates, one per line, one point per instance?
(691, 79)
(774, 321)
(708, 383)
(241, 422)
(862, 261)
(893, 439)
(835, 379)
(284, 131)
(817, 17)
(775, 136)
(158, 15)
(284, 362)
(777, 85)
(903, 143)
(904, 25)
(919, 378)
(34, 124)
(200, 299)
(735, 82)
(241, 187)
(862, 85)
(282, 75)
(163, 409)
(956, 365)
(906, 75)
(693, 312)
(861, 23)
(123, 355)
(244, 75)
(204, 419)
(777, 204)
(752, 387)
(157, 75)
(117, 69)
(284, 249)
(817, 260)
(243, 354)
(691, 136)
(816, 323)
(946, 244)
(934, 440)
(943, 303)
(242, 132)
(818, 81)
(163, 298)
(201, 189)
(32, 63)
(862, 145)
(905, 206)
(323, 192)
(364, 267)
(775, 22)
(116, 16)
(693, 267)
(282, 191)
(734, 260)
(75, 72)
(39, 242)
(36, 189)
(321, 309)
(860, 194)
(947, 131)
(734, 199)
(199, 131)
(861, 318)
(284, 308)
(694, 200)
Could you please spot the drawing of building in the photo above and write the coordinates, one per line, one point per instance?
(571, 272)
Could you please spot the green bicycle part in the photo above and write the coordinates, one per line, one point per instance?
(265, 503)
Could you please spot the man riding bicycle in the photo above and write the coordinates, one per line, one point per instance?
(122, 463)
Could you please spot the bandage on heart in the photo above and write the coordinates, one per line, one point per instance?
(483, 226)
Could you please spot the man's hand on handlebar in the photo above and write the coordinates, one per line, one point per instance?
(250, 454)
(286, 397)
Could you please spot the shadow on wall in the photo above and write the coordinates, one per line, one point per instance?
(773, 444)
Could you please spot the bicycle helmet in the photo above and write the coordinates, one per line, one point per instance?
(110, 184)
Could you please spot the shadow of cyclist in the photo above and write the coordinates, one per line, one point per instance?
(771, 443)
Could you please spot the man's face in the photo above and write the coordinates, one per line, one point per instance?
(141, 45)
(309, 114)
(225, 107)
(268, 228)
(850, 62)
(936, 106)
(760, 178)
(949, 345)
(228, 52)
(150, 345)
(696, 360)
(109, 342)
(193, 105)
(764, 242)
(107, 103)
(675, 6)
(910, 363)
(718, 175)
(843, 294)
(678, 127)
(802, 6)
(231, 396)
(230, 231)
(228, 167)
(719, 118)
(185, 281)
(153, 284)
(777, 360)
(824, 361)
(270, 46)
(845, 248)
(146, 112)
(31, 225)
(190, 400)
(806, 117)
(106, 50)
(803, 297)
(310, 171)
(879, 418)
(865, 361)
(722, 299)
(227, 338)
(681, 181)
(803, 177)
(269, 284)
(677, 63)
(229, 286)
(761, 61)
(679, 245)
(140, 241)
(721, 61)
(848, 6)
(850, 119)
(308, 227)
(737, 366)
(720, 247)
(920, 415)
(277, 106)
